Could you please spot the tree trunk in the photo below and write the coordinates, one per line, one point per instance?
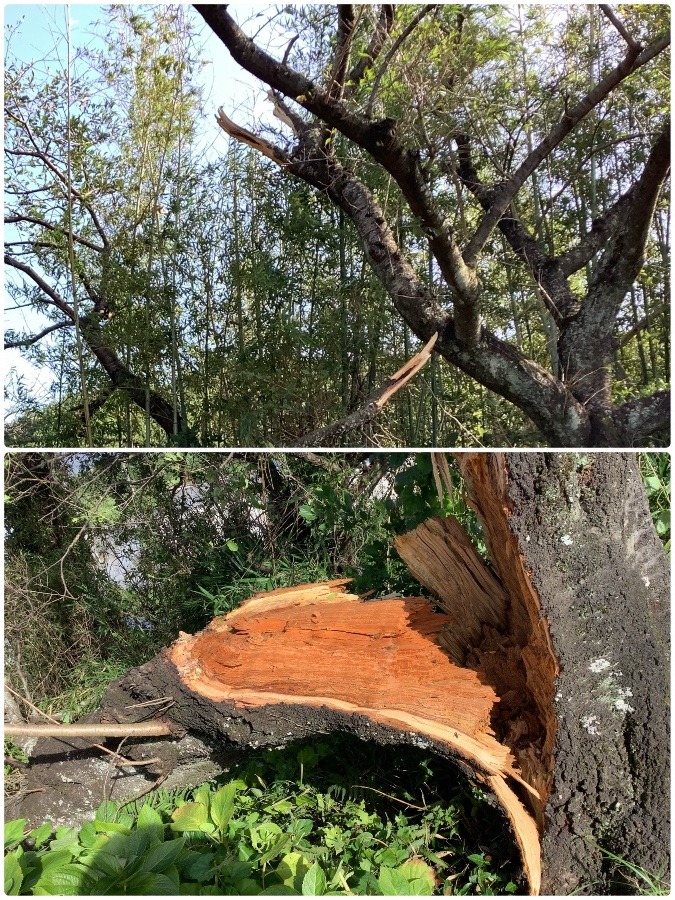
(544, 676)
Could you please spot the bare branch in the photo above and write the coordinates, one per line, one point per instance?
(136, 729)
(506, 193)
(361, 417)
(26, 342)
(15, 218)
(54, 297)
(620, 27)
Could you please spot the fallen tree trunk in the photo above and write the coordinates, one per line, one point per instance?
(544, 676)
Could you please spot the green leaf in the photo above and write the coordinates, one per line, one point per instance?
(14, 832)
(307, 513)
(43, 832)
(13, 875)
(189, 817)
(160, 858)
(232, 545)
(222, 804)
(150, 819)
(314, 882)
(151, 883)
(293, 868)
(393, 883)
(279, 890)
(247, 887)
(277, 848)
(70, 880)
(111, 827)
(195, 866)
(420, 875)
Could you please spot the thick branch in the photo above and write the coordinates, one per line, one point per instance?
(634, 208)
(384, 25)
(640, 418)
(378, 139)
(507, 192)
(361, 417)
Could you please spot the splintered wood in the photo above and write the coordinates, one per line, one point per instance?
(319, 646)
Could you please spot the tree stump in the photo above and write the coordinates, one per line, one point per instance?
(544, 675)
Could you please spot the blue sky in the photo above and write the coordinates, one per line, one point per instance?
(39, 36)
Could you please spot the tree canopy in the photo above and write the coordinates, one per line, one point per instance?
(493, 175)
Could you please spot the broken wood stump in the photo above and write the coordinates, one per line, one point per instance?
(316, 658)
(543, 674)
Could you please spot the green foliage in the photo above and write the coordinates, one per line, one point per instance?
(243, 297)
(300, 821)
(655, 469)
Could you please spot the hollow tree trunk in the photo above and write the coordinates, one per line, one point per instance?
(544, 676)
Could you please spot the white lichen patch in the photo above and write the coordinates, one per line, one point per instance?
(590, 723)
(646, 581)
(620, 702)
(599, 664)
(566, 540)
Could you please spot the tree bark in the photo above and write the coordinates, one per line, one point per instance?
(544, 675)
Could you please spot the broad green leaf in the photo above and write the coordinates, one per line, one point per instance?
(293, 868)
(105, 862)
(14, 832)
(41, 834)
(314, 882)
(150, 819)
(13, 875)
(277, 848)
(111, 827)
(247, 887)
(107, 811)
(88, 835)
(307, 513)
(418, 871)
(393, 883)
(151, 884)
(160, 858)
(189, 817)
(54, 859)
(222, 805)
(71, 880)
(195, 866)
(280, 890)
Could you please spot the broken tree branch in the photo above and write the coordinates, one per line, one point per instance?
(374, 403)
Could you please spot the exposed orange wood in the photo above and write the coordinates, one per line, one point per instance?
(486, 476)
(320, 646)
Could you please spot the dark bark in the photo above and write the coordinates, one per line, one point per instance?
(581, 528)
